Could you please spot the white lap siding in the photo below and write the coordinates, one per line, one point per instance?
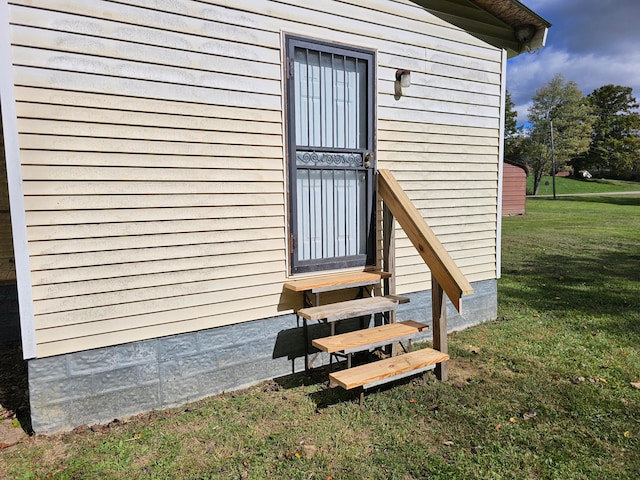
(152, 153)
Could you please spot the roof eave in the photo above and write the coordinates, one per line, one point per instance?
(493, 21)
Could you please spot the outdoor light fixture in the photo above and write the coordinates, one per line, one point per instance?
(524, 33)
(403, 77)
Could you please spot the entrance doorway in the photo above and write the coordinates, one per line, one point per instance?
(330, 118)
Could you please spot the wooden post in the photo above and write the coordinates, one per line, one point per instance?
(389, 259)
(439, 317)
(389, 254)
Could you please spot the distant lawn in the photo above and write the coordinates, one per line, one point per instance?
(567, 185)
(543, 392)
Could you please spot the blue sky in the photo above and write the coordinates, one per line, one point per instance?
(592, 42)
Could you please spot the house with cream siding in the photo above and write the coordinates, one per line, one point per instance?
(173, 167)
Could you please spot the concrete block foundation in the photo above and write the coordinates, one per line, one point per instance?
(96, 386)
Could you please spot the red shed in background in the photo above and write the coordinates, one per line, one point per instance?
(514, 188)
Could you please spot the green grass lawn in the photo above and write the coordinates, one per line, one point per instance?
(572, 186)
(543, 392)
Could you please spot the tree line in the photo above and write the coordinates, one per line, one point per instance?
(599, 133)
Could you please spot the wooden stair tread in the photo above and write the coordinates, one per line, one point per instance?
(336, 281)
(399, 298)
(369, 337)
(387, 369)
(349, 309)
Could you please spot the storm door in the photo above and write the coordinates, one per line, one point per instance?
(330, 115)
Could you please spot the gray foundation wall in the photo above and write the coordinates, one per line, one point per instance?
(96, 386)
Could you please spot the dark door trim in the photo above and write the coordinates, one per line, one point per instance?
(360, 159)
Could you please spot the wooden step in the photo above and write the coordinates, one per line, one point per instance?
(399, 298)
(336, 281)
(369, 337)
(333, 312)
(387, 370)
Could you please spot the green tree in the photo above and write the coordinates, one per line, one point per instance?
(536, 156)
(615, 142)
(510, 117)
(512, 135)
(562, 104)
(515, 140)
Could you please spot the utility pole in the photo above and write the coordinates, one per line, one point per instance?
(553, 161)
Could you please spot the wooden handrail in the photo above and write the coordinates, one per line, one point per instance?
(442, 266)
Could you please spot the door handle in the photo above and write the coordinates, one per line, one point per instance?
(367, 159)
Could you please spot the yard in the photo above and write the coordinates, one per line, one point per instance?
(575, 186)
(544, 392)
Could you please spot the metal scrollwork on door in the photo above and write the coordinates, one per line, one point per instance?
(336, 159)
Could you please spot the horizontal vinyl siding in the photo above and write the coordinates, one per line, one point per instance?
(441, 140)
(152, 151)
(451, 175)
(152, 159)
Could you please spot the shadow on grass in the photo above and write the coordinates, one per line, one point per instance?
(628, 200)
(331, 396)
(606, 285)
(326, 396)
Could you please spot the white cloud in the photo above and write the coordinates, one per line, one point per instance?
(589, 43)
(589, 71)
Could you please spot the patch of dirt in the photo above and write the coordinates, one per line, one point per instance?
(463, 371)
(55, 452)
